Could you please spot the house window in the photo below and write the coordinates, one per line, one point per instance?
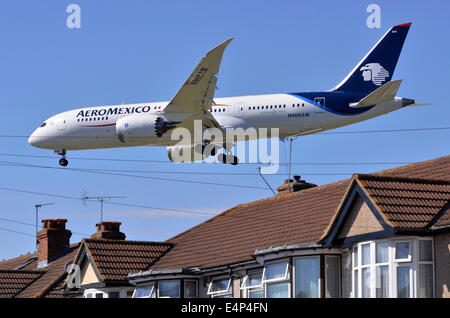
(169, 289)
(190, 289)
(276, 278)
(253, 283)
(332, 276)
(220, 288)
(114, 294)
(307, 275)
(426, 277)
(145, 291)
(399, 269)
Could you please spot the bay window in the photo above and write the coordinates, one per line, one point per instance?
(396, 268)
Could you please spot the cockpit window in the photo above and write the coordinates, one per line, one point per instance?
(43, 125)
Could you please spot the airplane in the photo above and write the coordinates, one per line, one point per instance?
(366, 92)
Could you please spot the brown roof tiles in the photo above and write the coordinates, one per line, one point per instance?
(115, 259)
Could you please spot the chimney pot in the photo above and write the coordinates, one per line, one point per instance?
(109, 230)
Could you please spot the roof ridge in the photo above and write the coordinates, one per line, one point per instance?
(405, 179)
(443, 158)
(127, 241)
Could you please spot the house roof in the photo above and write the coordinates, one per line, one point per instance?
(115, 259)
(299, 217)
(407, 203)
(12, 282)
(46, 283)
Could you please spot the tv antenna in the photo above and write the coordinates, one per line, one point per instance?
(101, 199)
(37, 207)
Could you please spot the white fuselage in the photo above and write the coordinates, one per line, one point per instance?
(94, 127)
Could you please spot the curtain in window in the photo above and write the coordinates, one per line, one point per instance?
(425, 286)
(307, 277)
(382, 255)
(365, 280)
(332, 276)
(277, 290)
(382, 281)
(403, 282)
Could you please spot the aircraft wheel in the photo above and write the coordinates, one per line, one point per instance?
(63, 162)
(222, 158)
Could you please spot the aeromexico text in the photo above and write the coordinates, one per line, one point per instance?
(114, 111)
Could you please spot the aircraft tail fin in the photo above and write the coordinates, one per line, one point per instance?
(378, 66)
(381, 95)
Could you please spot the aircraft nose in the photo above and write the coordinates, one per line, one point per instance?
(35, 140)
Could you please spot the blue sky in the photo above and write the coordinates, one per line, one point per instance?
(141, 51)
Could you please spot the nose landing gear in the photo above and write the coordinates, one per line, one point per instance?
(63, 161)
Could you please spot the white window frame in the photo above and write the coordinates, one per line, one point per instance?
(393, 264)
(169, 281)
(273, 280)
(152, 285)
(253, 272)
(403, 260)
(221, 292)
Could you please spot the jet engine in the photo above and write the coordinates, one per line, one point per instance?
(140, 128)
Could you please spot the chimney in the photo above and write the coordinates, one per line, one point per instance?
(295, 185)
(108, 231)
(53, 240)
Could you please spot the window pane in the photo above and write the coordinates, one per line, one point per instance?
(355, 284)
(365, 254)
(402, 250)
(382, 281)
(332, 276)
(114, 294)
(365, 280)
(307, 277)
(220, 285)
(277, 290)
(355, 257)
(99, 295)
(403, 286)
(143, 291)
(382, 252)
(425, 251)
(259, 293)
(190, 289)
(275, 271)
(425, 288)
(254, 279)
(169, 289)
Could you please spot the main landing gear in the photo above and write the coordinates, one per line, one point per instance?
(63, 161)
(228, 157)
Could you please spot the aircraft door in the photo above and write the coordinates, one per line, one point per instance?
(239, 108)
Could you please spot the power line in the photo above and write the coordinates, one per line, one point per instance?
(29, 224)
(13, 164)
(322, 133)
(244, 163)
(17, 232)
(114, 203)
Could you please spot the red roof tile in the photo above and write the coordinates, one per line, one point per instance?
(12, 282)
(407, 203)
(115, 259)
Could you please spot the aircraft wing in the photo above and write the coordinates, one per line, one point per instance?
(193, 100)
